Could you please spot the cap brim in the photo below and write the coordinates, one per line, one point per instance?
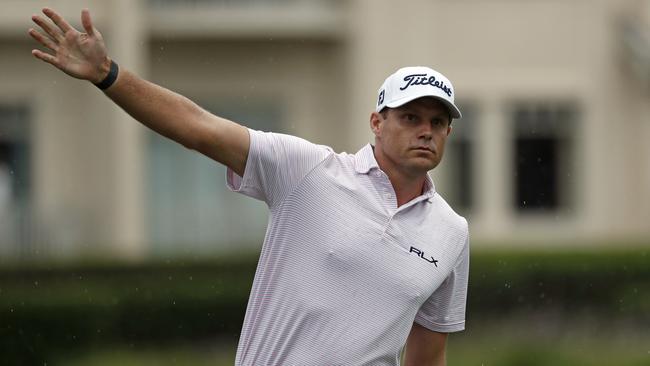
(453, 110)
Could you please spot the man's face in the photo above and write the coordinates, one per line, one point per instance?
(411, 138)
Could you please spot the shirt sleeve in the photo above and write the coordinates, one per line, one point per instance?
(275, 165)
(444, 310)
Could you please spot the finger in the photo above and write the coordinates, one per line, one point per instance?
(48, 28)
(45, 41)
(87, 22)
(46, 57)
(58, 20)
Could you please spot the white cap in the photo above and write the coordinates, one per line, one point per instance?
(410, 83)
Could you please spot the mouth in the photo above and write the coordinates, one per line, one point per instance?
(424, 149)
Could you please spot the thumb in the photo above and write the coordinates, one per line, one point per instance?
(87, 22)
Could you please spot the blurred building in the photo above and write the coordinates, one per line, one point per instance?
(553, 146)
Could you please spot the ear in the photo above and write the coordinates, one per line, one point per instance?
(449, 130)
(375, 122)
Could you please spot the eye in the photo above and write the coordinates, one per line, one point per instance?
(411, 117)
(438, 122)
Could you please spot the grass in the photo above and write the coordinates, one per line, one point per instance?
(510, 345)
(533, 344)
(178, 355)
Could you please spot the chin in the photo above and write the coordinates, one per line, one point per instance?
(424, 165)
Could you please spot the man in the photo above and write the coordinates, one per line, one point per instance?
(362, 259)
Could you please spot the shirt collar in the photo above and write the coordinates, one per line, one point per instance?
(365, 162)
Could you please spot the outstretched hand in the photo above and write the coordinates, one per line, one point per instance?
(80, 55)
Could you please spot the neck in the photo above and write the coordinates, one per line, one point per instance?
(406, 189)
(406, 186)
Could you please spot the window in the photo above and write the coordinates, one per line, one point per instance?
(457, 167)
(543, 148)
(191, 209)
(14, 173)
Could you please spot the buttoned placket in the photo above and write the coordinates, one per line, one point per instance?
(388, 194)
(389, 198)
(366, 164)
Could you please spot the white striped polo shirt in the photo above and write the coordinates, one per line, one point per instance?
(343, 271)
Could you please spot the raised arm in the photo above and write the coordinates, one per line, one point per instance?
(84, 55)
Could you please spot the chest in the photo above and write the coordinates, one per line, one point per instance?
(351, 232)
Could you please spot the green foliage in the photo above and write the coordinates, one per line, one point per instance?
(173, 355)
(615, 283)
(47, 310)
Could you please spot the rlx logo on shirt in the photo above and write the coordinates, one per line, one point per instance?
(421, 254)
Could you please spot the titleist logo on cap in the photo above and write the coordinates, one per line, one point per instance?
(422, 79)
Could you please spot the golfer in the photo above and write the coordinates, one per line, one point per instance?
(363, 261)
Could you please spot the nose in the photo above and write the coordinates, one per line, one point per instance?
(426, 131)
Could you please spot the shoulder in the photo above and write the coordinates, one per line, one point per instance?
(456, 228)
(286, 150)
(336, 161)
(446, 213)
(274, 139)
